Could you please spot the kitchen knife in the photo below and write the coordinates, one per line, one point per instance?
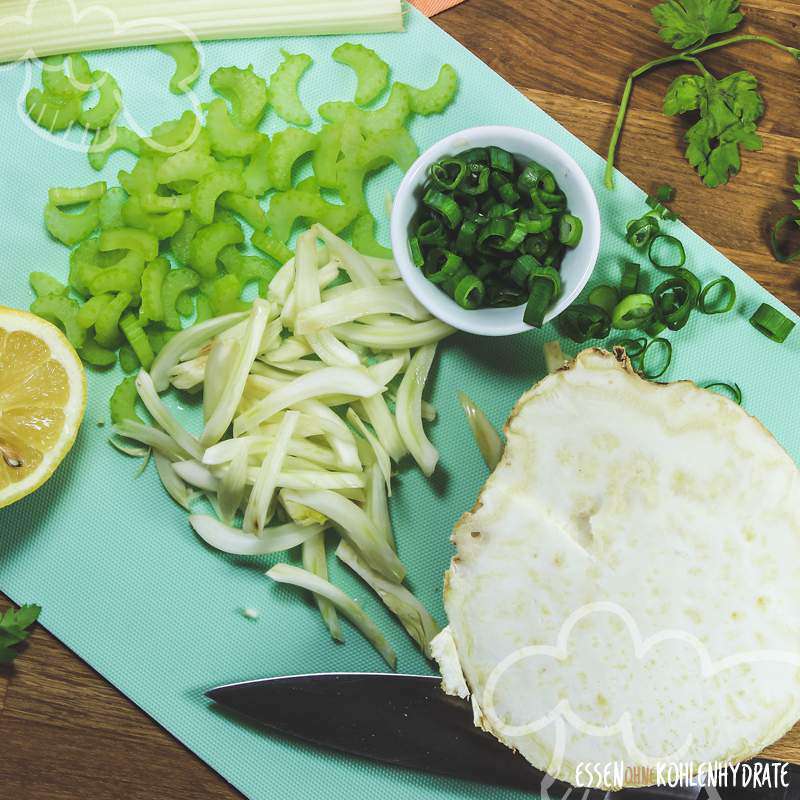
(404, 720)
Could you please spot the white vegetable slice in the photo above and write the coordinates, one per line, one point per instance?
(232, 484)
(409, 409)
(394, 334)
(381, 456)
(290, 349)
(385, 425)
(190, 337)
(226, 408)
(175, 487)
(486, 436)
(307, 296)
(258, 511)
(413, 616)
(376, 505)
(188, 375)
(385, 269)
(221, 360)
(353, 262)
(361, 303)
(340, 438)
(328, 381)
(285, 573)
(152, 437)
(320, 479)
(232, 540)
(162, 415)
(197, 475)
(356, 526)
(314, 561)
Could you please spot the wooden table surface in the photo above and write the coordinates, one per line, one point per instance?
(65, 732)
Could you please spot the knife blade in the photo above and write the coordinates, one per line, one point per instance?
(404, 720)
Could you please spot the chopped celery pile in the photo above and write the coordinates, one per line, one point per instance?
(211, 203)
(302, 424)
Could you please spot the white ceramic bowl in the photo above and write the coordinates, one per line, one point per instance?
(576, 267)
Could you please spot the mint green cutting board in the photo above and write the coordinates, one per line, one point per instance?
(121, 576)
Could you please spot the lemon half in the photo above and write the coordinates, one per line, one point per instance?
(42, 401)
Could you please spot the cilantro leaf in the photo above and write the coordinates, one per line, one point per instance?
(14, 629)
(729, 110)
(686, 23)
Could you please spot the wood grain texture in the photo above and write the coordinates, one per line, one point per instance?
(68, 734)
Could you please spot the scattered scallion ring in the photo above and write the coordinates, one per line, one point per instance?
(733, 388)
(661, 366)
(727, 294)
(632, 311)
(582, 321)
(604, 296)
(772, 323)
(673, 242)
(630, 278)
(633, 347)
(641, 232)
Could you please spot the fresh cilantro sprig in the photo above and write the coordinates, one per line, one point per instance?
(728, 109)
(14, 629)
(689, 23)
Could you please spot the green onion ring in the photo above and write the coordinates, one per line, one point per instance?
(570, 230)
(470, 292)
(667, 358)
(728, 293)
(606, 297)
(632, 311)
(733, 388)
(775, 245)
(444, 206)
(443, 175)
(640, 232)
(633, 347)
(582, 321)
(670, 240)
(772, 323)
(629, 282)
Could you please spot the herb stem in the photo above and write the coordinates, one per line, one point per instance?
(746, 37)
(686, 55)
(625, 102)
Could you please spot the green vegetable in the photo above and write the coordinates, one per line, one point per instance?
(283, 88)
(108, 140)
(208, 190)
(437, 97)
(226, 137)
(110, 209)
(363, 237)
(662, 360)
(287, 146)
(50, 111)
(772, 323)
(175, 283)
(482, 250)
(730, 388)
(108, 106)
(207, 244)
(71, 228)
(106, 326)
(14, 629)
(187, 65)
(44, 284)
(61, 311)
(123, 402)
(137, 338)
(724, 303)
(687, 23)
(581, 322)
(372, 72)
(728, 108)
(246, 92)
